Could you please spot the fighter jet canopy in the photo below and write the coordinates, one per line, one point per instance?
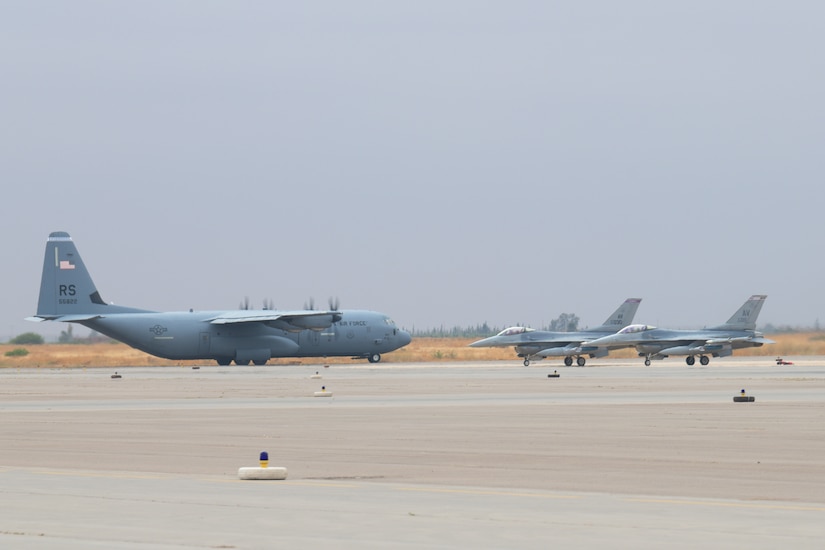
(632, 329)
(514, 330)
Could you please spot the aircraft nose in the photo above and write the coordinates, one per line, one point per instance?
(404, 337)
(482, 343)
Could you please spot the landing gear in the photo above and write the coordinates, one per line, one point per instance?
(704, 360)
(690, 360)
(241, 363)
(374, 358)
(526, 362)
(647, 361)
(223, 361)
(568, 361)
(580, 361)
(259, 363)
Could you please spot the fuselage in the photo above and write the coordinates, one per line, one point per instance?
(191, 335)
(652, 340)
(528, 342)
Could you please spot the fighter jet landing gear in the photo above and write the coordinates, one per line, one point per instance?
(691, 360)
(526, 362)
(647, 360)
(580, 361)
(568, 361)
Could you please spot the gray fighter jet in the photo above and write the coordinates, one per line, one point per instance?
(534, 344)
(68, 294)
(657, 343)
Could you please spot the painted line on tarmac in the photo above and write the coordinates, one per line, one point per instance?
(710, 503)
(487, 493)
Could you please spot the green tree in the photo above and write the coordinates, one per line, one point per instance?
(27, 338)
(566, 322)
(66, 336)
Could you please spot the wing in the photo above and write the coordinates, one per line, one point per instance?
(293, 321)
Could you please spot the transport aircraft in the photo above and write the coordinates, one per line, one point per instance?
(719, 341)
(534, 344)
(68, 294)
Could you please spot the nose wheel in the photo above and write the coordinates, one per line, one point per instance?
(526, 362)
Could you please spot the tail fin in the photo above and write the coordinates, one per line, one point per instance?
(620, 318)
(745, 316)
(67, 292)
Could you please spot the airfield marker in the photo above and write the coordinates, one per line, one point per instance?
(264, 471)
(743, 397)
(323, 392)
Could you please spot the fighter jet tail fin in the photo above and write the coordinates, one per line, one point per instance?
(620, 318)
(66, 288)
(745, 316)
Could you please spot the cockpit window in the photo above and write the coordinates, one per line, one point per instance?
(515, 330)
(632, 329)
(389, 321)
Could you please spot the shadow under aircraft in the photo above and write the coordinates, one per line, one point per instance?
(68, 294)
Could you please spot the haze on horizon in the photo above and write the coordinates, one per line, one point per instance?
(447, 163)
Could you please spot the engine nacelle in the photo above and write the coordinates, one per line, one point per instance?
(309, 322)
(314, 322)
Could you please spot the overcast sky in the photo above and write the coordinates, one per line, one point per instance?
(447, 163)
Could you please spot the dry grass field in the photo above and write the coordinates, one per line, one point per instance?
(420, 350)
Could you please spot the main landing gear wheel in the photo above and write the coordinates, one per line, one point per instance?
(526, 362)
(580, 361)
(223, 361)
(374, 358)
(704, 360)
(690, 360)
(259, 363)
(568, 361)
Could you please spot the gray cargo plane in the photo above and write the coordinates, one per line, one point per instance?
(534, 344)
(719, 341)
(68, 294)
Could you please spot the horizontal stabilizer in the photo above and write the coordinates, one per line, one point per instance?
(64, 318)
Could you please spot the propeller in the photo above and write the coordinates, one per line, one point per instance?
(310, 305)
(245, 303)
(334, 303)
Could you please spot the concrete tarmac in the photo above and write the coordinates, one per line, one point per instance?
(448, 455)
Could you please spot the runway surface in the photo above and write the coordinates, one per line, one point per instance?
(447, 455)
